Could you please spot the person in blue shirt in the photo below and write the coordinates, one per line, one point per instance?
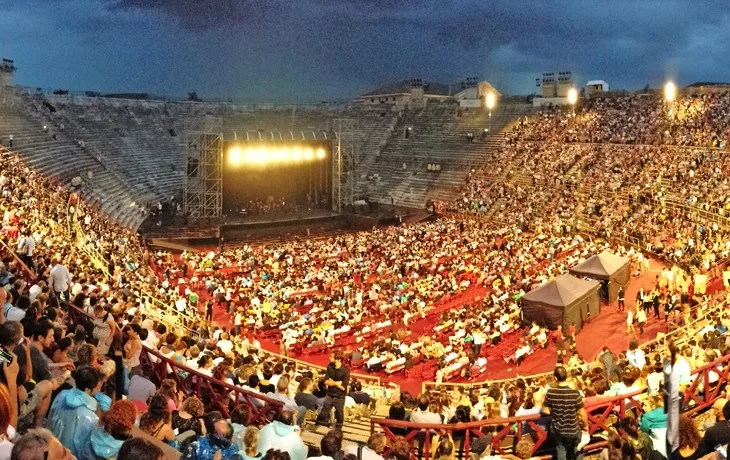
(115, 428)
(72, 416)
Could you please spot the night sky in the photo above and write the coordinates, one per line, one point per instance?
(313, 50)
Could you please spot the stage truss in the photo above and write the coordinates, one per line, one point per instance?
(344, 164)
(203, 191)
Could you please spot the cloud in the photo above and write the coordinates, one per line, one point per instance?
(200, 15)
(337, 48)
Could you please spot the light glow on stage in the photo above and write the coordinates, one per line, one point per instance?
(264, 155)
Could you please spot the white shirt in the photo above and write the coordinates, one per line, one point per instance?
(226, 346)
(59, 278)
(367, 453)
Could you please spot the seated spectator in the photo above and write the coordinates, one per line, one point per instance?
(115, 428)
(443, 448)
(374, 449)
(219, 440)
(397, 411)
(719, 433)
(282, 434)
(72, 417)
(689, 441)
(157, 421)
(139, 449)
(427, 412)
(240, 419)
(357, 394)
(282, 394)
(654, 423)
(330, 446)
(141, 387)
(304, 397)
(40, 444)
(168, 389)
(250, 449)
(189, 417)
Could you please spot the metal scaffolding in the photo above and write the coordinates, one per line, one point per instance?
(203, 191)
(344, 174)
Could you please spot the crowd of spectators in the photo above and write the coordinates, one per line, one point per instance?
(98, 398)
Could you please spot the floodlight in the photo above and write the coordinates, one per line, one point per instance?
(320, 153)
(572, 96)
(670, 92)
(296, 154)
(235, 155)
(491, 100)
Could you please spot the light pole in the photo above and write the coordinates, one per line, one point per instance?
(491, 100)
(572, 98)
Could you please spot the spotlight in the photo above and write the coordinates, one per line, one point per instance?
(320, 153)
(296, 154)
(308, 154)
(250, 155)
(235, 155)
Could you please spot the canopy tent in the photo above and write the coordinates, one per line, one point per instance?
(614, 270)
(561, 302)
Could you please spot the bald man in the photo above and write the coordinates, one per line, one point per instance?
(719, 433)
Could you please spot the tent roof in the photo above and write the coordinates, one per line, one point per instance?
(603, 264)
(561, 291)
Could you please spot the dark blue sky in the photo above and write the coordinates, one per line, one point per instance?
(334, 49)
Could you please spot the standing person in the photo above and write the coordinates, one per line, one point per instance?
(26, 246)
(630, 322)
(672, 395)
(621, 298)
(337, 383)
(571, 338)
(568, 414)
(209, 311)
(59, 279)
(559, 343)
(641, 319)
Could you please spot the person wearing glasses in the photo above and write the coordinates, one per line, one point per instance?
(40, 444)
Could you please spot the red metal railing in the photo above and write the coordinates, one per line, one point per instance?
(216, 395)
(702, 392)
(707, 385)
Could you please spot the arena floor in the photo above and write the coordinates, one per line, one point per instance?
(608, 329)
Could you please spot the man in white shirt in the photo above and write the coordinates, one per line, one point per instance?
(423, 414)
(59, 279)
(26, 246)
(225, 345)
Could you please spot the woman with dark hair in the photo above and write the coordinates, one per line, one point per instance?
(189, 417)
(689, 441)
(61, 353)
(398, 412)
(140, 449)
(157, 421)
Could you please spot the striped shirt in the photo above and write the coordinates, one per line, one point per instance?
(564, 404)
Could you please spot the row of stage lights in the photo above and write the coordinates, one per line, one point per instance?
(261, 155)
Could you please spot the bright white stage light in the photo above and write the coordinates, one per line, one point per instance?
(235, 155)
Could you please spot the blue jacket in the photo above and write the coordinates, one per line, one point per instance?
(101, 445)
(276, 435)
(72, 418)
(206, 447)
